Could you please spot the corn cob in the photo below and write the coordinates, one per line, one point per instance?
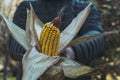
(49, 39)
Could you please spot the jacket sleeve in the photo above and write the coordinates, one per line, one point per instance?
(15, 49)
(94, 48)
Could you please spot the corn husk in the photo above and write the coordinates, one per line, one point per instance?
(90, 37)
(69, 33)
(36, 63)
(54, 73)
(17, 33)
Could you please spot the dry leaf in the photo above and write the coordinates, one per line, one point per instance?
(36, 63)
(87, 38)
(17, 33)
(76, 71)
(69, 33)
(53, 73)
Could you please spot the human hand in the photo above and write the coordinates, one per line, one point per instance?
(68, 53)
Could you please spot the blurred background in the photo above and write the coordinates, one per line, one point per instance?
(107, 67)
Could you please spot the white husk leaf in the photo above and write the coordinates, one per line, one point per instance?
(72, 69)
(38, 28)
(32, 28)
(76, 71)
(38, 24)
(30, 40)
(17, 33)
(87, 38)
(36, 63)
(68, 62)
(69, 33)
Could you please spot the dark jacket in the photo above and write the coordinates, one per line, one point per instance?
(47, 10)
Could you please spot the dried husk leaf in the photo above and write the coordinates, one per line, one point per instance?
(53, 73)
(36, 63)
(68, 62)
(72, 69)
(68, 67)
(38, 24)
(17, 33)
(87, 38)
(28, 33)
(32, 28)
(69, 33)
(76, 71)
